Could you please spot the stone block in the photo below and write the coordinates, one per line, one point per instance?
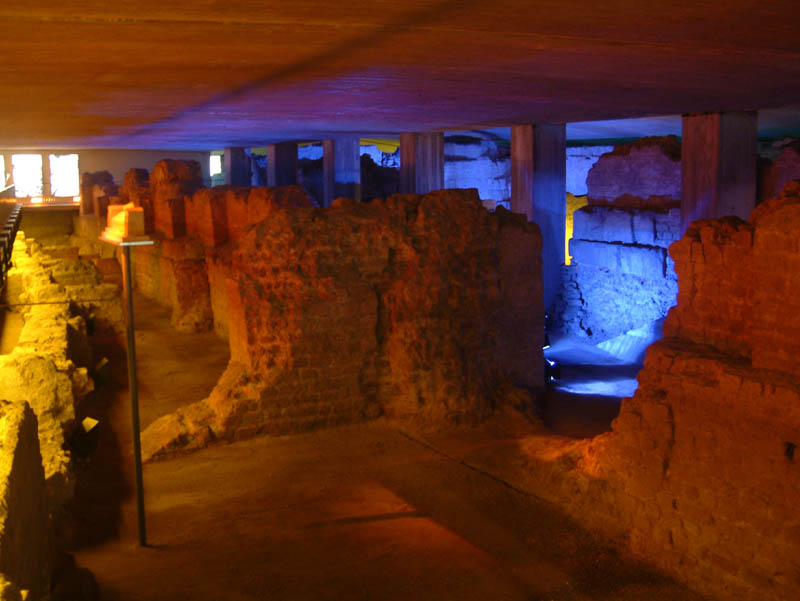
(207, 216)
(169, 215)
(168, 171)
(641, 261)
(603, 224)
(645, 174)
(668, 227)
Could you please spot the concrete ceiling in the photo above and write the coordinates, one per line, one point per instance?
(215, 73)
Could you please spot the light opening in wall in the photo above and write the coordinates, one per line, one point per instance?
(215, 164)
(37, 200)
(27, 170)
(64, 175)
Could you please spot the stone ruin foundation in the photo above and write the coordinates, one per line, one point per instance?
(425, 309)
(699, 475)
(45, 377)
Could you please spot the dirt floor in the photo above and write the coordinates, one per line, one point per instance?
(362, 512)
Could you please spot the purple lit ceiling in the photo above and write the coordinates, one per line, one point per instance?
(216, 73)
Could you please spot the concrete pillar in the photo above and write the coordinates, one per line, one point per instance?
(421, 163)
(539, 191)
(237, 168)
(282, 164)
(46, 187)
(719, 156)
(341, 169)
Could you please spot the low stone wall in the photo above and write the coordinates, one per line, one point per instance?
(173, 272)
(48, 222)
(44, 377)
(26, 549)
(423, 308)
(48, 368)
(621, 276)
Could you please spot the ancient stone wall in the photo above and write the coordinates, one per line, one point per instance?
(645, 174)
(423, 308)
(700, 474)
(25, 536)
(48, 368)
(620, 277)
(184, 220)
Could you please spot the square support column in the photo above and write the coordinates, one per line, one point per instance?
(539, 191)
(282, 164)
(47, 188)
(341, 169)
(421, 163)
(719, 158)
(237, 170)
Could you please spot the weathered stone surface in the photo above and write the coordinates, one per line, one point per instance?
(47, 368)
(25, 530)
(171, 182)
(247, 206)
(620, 277)
(699, 475)
(88, 183)
(646, 174)
(607, 224)
(342, 314)
(135, 181)
(168, 171)
(599, 305)
(698, 472)
(173, 273)
(787, 166)
(714, 265)
(648, 262)
(207, 217)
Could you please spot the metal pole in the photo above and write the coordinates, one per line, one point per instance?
(134, 394)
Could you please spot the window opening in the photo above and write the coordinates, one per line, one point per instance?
(64, 175)
(27, 170)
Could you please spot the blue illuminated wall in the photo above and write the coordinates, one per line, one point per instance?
(621, 276)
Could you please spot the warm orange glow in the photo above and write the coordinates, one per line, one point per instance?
(37, 200)
(76, 199)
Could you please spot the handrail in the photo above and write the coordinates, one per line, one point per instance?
(10, 229)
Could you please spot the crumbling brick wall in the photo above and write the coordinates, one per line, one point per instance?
(184, 219)
(424, 308)
(700, 473)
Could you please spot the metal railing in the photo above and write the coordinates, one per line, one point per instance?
(10, 229)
